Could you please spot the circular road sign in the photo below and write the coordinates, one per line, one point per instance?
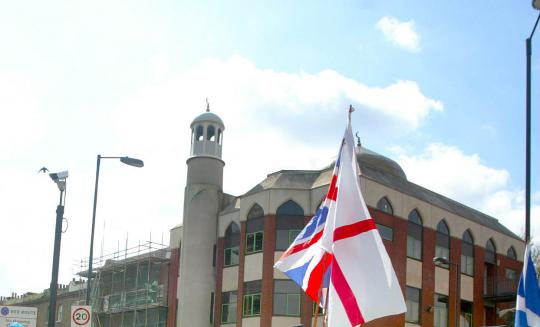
(81, 316)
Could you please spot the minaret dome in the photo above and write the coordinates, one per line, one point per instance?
(207, 135)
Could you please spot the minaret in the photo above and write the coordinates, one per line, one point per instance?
(201, 206)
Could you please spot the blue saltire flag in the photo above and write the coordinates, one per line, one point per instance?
(528, 295)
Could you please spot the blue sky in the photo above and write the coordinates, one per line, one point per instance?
(438, 86)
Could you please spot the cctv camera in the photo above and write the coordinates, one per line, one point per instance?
(59, 176)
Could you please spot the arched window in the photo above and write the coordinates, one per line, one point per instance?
(511, 253)
(490, 252)
(289, 223)
(414, 235)
(231, 245)
(467, 253)
(211, 133)
(255, 229)
(219, 136)
(199, 133)
(256, 211)
(290, 208)
(442, 241)
(385, 206)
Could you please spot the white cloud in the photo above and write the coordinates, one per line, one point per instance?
(402, 34)
(272, 119)
(463, 177)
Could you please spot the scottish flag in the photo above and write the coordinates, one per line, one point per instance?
(528, 296)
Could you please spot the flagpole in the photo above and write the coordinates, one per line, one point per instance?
(326, 305)
(320, 291)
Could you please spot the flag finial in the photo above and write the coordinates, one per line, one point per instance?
(351, 109)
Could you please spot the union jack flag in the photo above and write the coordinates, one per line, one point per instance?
(341, 249)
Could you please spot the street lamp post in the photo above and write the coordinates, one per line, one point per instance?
(128, 161)
(445, 261)
(528, 46)
(60, 180)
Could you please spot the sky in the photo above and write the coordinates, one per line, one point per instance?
(438, 86)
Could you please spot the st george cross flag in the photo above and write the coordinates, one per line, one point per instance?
(528, 295)
(340, 248)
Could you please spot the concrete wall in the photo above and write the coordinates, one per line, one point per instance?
(197, 274)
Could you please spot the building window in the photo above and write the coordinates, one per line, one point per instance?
(442, 242)
(467, 253)
(254, 229)
(440, 311)
(289, 223)
(385, 206)
(414, 235)
(254, 242)
(219, 135)
(228, 307)
(60, 313)
(465, 319)
(510, 274)
(511, 253)
(490, 252)
(232, 256)
(284, 238)
(212, 308)
(286, 298)
(255, 212)
(387, 233)
(231, 245)
(413, 305)
(252, 298)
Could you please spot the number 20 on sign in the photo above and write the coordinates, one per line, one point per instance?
(81, 316)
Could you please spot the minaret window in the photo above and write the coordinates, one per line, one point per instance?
(199, 133)
(219, 136)
(211, 133)
(289, 223)
(414, 235)
(442, 242)
(467, 253)
(231, 245)
(255, 229)
(385, 206)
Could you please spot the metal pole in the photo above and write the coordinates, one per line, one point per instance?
(528, 146)
(528, 137)
(91, 256)
(56, 261)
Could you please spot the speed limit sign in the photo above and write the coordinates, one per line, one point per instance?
(81, 315)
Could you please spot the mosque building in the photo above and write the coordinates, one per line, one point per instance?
(222, 255)
(218, 268)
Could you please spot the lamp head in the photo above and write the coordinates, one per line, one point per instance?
(132, 162)
(60, 179)
(536, 4)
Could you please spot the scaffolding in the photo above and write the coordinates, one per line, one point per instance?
(130, 287)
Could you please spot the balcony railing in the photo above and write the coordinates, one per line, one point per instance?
(500, 288)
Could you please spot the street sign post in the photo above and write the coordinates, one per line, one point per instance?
(26, 316)
(81, 316)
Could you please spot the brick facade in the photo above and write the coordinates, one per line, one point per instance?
(397, 249)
